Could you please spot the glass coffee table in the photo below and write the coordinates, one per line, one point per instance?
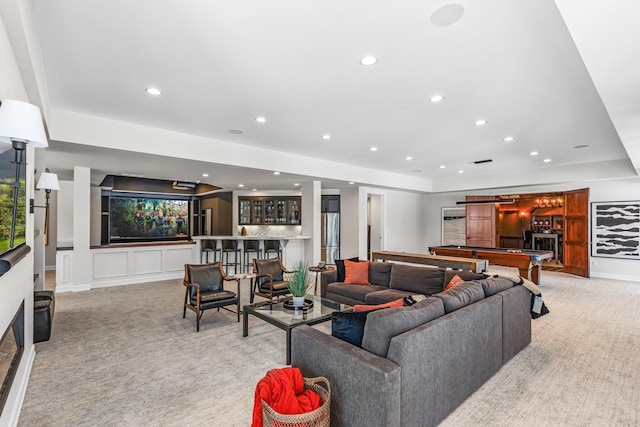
(286, 319)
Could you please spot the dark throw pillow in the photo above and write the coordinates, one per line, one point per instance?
(349, 326)
(340, 268)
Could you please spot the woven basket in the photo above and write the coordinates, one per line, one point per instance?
(316, 418)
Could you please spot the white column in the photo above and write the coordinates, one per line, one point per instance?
(82, 263)
(311, 204)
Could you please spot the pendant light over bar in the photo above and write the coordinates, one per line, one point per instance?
(507, 201)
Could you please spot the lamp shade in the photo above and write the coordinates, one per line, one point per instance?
(48, 181)
(21, 121)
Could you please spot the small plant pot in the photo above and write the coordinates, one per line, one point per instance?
(298, 301)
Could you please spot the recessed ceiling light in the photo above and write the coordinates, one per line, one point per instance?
(373, 148)
(254, 189)
(533, 153)
(508, 138)
(436, 98)
(460, 171)
(153, 91)
(236, 131)
(442, 166)
(408, 158)
(276, 173)
(197, 181)
(296, 184)
(546, 160)
(581, 146)
(261, 119)
(351, 183)
(368, 60)
(326, 136)
(240, 185)
(447, 15)
(481, 122)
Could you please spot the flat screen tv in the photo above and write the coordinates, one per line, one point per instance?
(12, 221)
(141, 219)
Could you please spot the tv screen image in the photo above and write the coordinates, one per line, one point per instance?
(133, 218)
(7, 179)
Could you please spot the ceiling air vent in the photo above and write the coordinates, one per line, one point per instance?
(479, 162)
(181, 185)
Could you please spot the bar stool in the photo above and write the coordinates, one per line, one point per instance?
(250, 247)
(231, 247)
(272, 247)
(209, 246)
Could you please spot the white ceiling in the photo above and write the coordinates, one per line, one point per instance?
(222, 63)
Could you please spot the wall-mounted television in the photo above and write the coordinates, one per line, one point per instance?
(145, 218)
(12, 221)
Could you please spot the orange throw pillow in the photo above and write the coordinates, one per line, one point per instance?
(356, 273)
(396, 303)
(455, 281)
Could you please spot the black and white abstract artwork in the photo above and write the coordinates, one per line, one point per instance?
(615, 231)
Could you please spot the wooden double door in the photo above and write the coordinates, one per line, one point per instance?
(481, 225)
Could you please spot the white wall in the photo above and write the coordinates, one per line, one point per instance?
(599, 191)
(64, 215)
(17, 284)
(403, 221)
(349, 223)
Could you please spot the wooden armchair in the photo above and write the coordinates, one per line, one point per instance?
(205, 290)
(269, 281)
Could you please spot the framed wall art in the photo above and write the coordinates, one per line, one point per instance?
(615, 229)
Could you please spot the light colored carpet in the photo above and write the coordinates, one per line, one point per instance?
(124, 356)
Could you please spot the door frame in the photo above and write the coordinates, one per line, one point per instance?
(381, 219)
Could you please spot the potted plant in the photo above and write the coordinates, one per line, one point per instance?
(299, 283)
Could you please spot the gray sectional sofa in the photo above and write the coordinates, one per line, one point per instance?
(389, 281)
(418, 363)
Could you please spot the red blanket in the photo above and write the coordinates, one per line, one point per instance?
(283, 390)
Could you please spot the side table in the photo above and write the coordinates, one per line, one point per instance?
(317, 270)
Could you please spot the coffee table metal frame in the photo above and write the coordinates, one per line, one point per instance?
(275, 314)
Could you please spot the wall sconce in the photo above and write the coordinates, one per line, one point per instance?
(47, 182)
(20, 124)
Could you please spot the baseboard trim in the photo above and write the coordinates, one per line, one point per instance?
(50, 267)
(136, 280)
(22, 389)
(119, 282)
(623, 277)
(72, 288)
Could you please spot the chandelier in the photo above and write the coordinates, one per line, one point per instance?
(549, 202)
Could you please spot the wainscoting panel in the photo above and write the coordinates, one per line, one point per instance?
(146, 261)
(109, 264)
(175, 259)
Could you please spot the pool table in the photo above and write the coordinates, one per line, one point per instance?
(529, 262)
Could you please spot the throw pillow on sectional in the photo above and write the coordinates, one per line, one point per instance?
(340, 268)
(349, 326)
(356, 273)
(392, 304)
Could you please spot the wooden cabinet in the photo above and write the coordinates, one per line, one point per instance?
(285, 210)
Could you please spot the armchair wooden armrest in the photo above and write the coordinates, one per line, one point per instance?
(233, 279)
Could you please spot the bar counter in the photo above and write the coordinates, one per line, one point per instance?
(293, 247)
